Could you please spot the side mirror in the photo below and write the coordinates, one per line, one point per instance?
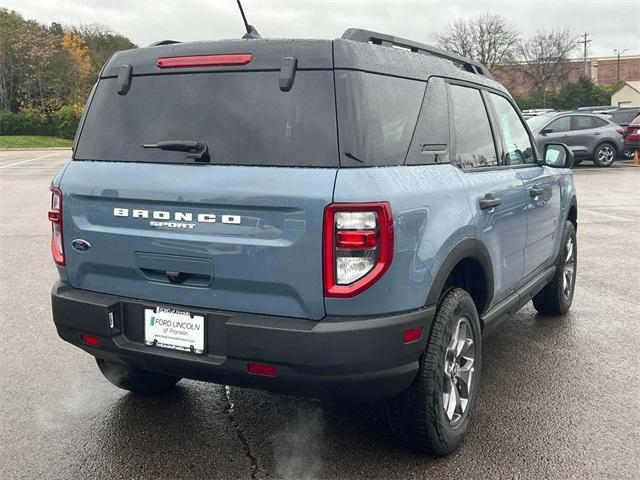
(545, 131)
(558, 155)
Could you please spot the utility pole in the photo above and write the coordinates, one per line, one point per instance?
(586, 40)
(618, 53)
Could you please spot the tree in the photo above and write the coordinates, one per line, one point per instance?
(544, 59)
(102, 42)
(487, 38)
(77, 49)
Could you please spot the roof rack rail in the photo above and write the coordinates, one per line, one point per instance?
(367, 36)
(164, 42)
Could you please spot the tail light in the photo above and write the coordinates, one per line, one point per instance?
(358, 246)
(620, 130)
(55, 217)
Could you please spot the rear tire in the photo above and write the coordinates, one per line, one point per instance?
(605, 155)
(424, 417)
(134, 379)
(557, 296)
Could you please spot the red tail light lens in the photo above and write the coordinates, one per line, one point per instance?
(205, 61)
(620, 131)
(55, 217)
(358, 246)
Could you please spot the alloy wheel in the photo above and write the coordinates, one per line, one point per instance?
(458, 371)
(605, 154)
(569, 268)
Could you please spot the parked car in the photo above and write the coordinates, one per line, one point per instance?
(594, 108)
(589, 136)
(623, 117)
(632, 138)
(292, 216)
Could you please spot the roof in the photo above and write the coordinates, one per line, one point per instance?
(268, 54)
(635, 84)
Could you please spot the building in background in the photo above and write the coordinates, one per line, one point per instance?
(627, 96)
(602, 71)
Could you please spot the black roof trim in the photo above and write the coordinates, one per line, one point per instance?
(367, 36)
(164, 42)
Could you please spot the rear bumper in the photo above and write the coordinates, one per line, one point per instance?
(354, 358)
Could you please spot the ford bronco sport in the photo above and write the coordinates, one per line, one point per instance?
(335, 219)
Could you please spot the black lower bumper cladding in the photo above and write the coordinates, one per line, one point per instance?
(350, 358)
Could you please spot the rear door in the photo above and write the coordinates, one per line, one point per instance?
(496, 193)
(541, 183)
(585, 134)
(241, 232)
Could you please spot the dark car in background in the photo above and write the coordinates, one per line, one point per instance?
(589, 136)
(632, 138)
(624, 117)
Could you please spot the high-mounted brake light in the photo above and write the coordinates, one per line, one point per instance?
(357, 246)
(55, 217)
(205, 60)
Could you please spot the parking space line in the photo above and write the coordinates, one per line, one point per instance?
(28, 160)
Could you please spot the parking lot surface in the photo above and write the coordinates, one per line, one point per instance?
(559, 397)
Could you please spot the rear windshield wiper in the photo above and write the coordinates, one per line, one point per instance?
(198, 151)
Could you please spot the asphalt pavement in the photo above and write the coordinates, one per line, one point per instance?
(559, 397)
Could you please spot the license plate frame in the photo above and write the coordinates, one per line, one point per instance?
(174, 329)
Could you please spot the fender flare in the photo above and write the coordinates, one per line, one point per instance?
(472, 248)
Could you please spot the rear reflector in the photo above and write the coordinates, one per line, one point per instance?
(412, 335)
(205, 61)
(261, 369)
(90, 340)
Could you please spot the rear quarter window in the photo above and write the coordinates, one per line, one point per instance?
(377, 116)
(244, 118)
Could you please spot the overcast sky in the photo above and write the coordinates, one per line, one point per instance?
(611, 23)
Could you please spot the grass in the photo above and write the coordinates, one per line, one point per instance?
(32, 141)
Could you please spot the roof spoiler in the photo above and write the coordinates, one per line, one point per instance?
(367, 36)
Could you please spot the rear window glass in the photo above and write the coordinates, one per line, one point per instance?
(244, 118)
(623, 117)
(377, 116)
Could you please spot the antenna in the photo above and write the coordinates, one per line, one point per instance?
(251, 31)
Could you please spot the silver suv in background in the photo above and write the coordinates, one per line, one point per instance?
(589, 136)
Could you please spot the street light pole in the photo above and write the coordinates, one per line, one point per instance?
(618, 52)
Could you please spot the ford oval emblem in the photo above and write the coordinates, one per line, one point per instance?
(80, 245)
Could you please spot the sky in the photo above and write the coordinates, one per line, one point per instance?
(612, 24)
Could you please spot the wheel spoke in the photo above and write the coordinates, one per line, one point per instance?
(453, 401)
(569, 251)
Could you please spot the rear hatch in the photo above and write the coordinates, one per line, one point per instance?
(240, 232)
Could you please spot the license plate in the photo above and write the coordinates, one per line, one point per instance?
(174, 329)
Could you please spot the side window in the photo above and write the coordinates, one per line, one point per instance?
(598, 122)
(377, 115)
(560, 125)
(518, 148)
(474, 143)
(582, 122)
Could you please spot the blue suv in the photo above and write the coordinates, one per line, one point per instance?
(335, 219)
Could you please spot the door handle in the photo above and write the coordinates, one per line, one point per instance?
(489, 201)
(596, 133)
(536, 192)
